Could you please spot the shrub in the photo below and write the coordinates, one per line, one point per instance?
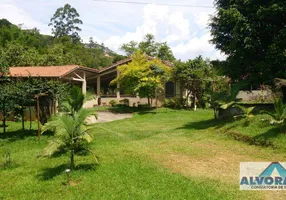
(279, 114)
(173, 103)
(144, 106)
(112, 103)
(125, 102)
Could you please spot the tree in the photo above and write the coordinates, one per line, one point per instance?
(75, 100)
(6, 101)
(195, 76)
(143, 76)
(129, 48)
(165, 52)
(91, 44)
(65, 22)
(150, 47)
(3, 64)
(58, 55)
(71, 134)
(252, 34)
(19, 55)
(30, 48)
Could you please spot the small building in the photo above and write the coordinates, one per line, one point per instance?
(97, 80)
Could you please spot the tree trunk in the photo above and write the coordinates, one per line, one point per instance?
(4, 117)
(30, 111)
(22, 116)
(181, 94)
(4, 125)
(72, 160)
(195, 103)
(55, 106)
(187, 100)
(215, 113)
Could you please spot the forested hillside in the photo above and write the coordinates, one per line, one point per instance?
(20, 47)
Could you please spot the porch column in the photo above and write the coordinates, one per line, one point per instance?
(84, 83)
(98, 86)
(118, 88)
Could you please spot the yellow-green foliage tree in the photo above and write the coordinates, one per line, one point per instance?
(143, 75)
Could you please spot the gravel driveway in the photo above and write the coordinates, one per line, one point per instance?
(107, 117)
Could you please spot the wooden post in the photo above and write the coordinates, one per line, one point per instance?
(38, 117)
(118, 87)
(84, 84)
(38, 113)
(98, 87)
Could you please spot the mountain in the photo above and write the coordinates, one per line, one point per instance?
(29, 47)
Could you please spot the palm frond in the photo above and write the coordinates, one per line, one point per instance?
(53, 147)
(227, 105)
(249, 110)
(83, 114)
(86, 136)
(93, 154)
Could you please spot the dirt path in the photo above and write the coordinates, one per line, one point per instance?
(107, 117)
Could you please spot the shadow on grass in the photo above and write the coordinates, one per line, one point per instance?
(50, 173)
(126, 109)
(12, 136)
(205, 124)
(1, 125)
(265, 139)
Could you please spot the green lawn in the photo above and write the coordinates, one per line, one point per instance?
(154, 155)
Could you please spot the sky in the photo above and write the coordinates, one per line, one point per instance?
(183, 28)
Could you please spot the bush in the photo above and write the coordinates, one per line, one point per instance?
(112, 103)
(125, 102)
(144, 106)
(173, 103)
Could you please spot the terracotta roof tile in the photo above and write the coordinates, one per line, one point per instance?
(45, 71)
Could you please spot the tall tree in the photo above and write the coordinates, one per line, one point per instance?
(150, 47)
(143, 76)
(65, 22)
(195, 77)
(253, 36)
(165, 52)
(129, 48)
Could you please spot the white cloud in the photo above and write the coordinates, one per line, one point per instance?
(154, 22)
(18, 16)
(202, 19)
(114, 24)
(179, 27)
(159, 21)
(174, 28)
(195, 47)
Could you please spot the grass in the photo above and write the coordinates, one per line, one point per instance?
(258, 132)
(162, 154)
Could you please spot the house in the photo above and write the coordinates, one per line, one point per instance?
(98, 80)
